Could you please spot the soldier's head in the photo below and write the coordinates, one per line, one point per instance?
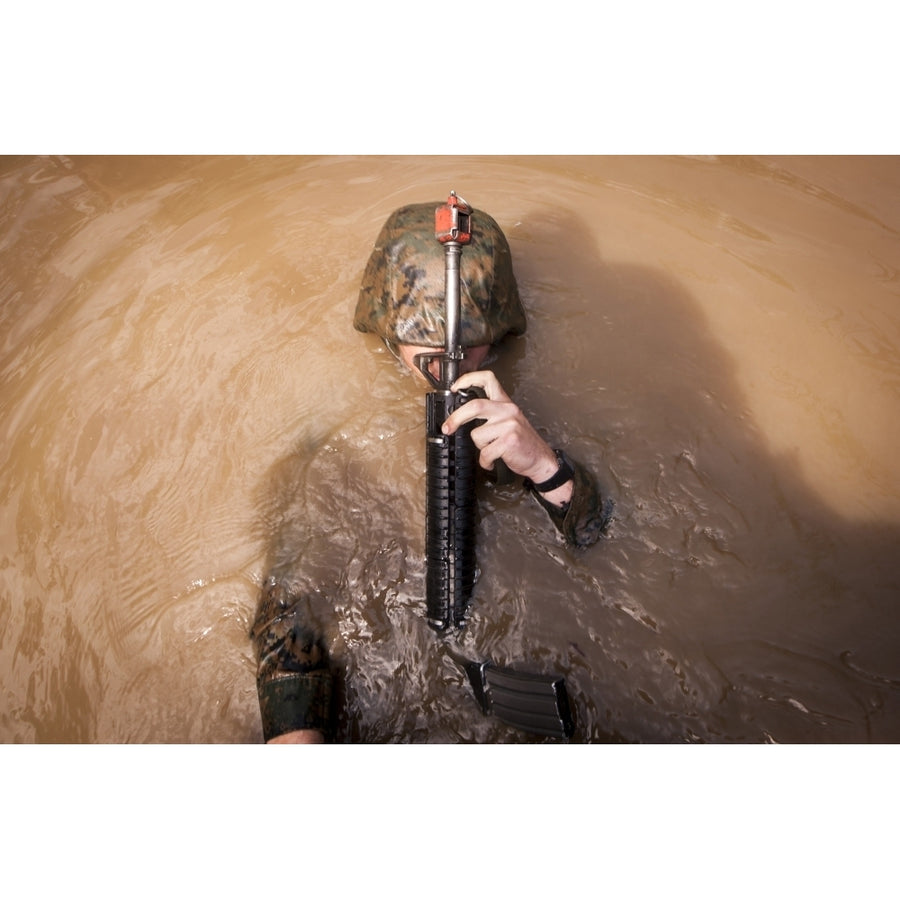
(402, 294)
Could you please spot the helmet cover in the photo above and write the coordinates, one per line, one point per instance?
(402, 294)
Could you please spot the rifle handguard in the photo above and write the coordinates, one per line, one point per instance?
(450, 510)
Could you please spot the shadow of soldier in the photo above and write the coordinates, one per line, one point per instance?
(731, 602)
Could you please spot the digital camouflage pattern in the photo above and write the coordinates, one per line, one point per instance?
(401, 297)
(293, 680)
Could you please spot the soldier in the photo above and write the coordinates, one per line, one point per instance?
(402, 300)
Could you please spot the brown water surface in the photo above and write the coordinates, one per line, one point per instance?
(186, 408)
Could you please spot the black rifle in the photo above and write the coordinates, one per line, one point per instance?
(535, 703)
(450, 461)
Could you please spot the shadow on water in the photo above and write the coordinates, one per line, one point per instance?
(768, 613)
(729, 603)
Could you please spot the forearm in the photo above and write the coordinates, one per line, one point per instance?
(293, 681)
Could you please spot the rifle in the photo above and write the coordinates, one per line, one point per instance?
(535, 703)
(450, 461)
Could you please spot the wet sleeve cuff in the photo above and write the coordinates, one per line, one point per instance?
(295, 700)
(586, 517)
(293, 679)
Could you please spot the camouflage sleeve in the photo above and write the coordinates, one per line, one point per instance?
(587, 515)
(293, 681)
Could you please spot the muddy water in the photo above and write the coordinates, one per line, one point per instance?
(186, 409)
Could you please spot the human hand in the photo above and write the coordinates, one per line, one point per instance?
(505, 434)
(302, 736)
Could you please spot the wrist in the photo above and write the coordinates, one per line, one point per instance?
(549, 477)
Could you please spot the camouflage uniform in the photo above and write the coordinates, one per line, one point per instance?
(402, 299)
(292, 678)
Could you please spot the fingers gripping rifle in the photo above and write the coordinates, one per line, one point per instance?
(450, 461)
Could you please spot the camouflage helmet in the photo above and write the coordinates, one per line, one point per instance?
(401, 297)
